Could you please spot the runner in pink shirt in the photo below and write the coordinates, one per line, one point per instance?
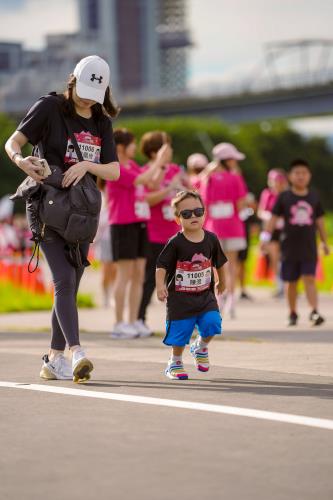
(129, 213)
(196, 163)
(224, 195)
(277, 183)
(162, 225)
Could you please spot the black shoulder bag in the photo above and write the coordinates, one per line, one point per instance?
(72, 212)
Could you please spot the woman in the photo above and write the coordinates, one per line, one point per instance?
(162, 224)
(224, 194)
(87, 106)
(129, 213)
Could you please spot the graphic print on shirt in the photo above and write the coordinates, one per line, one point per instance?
(193, 276)
(90, 147)
(301, 214)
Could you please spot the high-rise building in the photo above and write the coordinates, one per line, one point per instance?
(145, 42)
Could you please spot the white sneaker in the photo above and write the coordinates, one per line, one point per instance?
(142, 328)
(57, 369)
(81, 366)
(124, 330)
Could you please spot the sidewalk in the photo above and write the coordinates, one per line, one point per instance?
(263, 314)
(257, 339)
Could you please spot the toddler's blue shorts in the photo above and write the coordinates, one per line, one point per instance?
(179, 331)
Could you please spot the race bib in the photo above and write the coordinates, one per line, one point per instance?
(221, 210)
(193, 277)
(90, 147)
(142, 210)
(167, 212)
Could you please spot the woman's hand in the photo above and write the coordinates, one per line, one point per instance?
(164, 154)
(75, 173)
(31, 166)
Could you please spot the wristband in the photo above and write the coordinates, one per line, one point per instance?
(265, 236)
(15, 154)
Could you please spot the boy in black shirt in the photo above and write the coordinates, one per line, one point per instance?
(303, 215)
(185, 279)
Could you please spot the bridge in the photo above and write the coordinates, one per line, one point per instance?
(245, 107)
(294, 79)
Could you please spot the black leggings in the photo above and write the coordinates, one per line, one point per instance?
(149, 284)
(66, 279)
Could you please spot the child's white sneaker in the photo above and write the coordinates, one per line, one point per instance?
(175, 370)
(57, 369)
(81, 366)
(200, 355)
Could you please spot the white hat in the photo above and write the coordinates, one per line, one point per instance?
(92, 78)
(227, 151)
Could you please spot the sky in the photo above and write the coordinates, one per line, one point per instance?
(228, 35)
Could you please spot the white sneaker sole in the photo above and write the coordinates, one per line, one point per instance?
(46, 374)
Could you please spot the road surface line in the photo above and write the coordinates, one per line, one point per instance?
(287, 418)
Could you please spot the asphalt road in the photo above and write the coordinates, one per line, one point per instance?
(60, 446)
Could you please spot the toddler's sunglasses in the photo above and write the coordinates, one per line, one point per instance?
(187, 214)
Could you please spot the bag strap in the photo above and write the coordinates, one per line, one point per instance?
(73, 139)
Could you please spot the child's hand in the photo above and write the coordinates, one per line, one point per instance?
(326, 248)
(162, 293)
(220, 287)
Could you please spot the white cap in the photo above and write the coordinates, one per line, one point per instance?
(92, 78)
(227, 151)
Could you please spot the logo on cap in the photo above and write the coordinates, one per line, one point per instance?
(94, 77)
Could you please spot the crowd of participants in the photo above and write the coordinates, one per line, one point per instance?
(138, 220)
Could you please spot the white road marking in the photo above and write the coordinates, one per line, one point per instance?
(287, 418)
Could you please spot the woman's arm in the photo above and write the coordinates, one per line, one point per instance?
(163, 157)
(13, 149)
(157, 196)
(108, 171)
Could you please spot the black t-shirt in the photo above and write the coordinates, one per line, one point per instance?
(189, 274)
(298, 238)
(44, 123)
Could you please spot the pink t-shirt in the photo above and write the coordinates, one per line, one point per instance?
(221, 193)
(267, 200)
(127, 202)
(195, 182)
(162, 224)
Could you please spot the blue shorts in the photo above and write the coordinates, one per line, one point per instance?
(293, 270)
(179, 331)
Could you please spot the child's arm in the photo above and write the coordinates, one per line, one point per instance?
(220, 286)
(161, 289)
(266, 234)
(320, 223)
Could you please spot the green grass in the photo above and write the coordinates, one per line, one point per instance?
(14, 299)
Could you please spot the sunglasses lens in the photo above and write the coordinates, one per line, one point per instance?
(198, 212)
(186, 214)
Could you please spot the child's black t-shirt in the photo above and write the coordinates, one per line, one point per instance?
(44, 123)
(298, 238)
(189, 274)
